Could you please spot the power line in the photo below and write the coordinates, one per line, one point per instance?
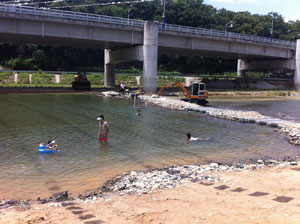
(101, 4)
(29, 2)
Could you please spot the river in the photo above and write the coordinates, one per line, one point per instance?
(287, 108)
(154, 139)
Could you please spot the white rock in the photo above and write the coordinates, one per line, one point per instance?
(140, 185)
(158, 180)
(164, 173)
(215, 165)
(133, 174)
(54, 205)
(223, 168)
(207, 169)
(260, 161)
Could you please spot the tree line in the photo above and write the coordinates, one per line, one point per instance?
(181, 12)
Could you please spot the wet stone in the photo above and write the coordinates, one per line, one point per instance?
(121, 186)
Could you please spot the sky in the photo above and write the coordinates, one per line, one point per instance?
(289, 9)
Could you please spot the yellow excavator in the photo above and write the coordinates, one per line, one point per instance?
(199, 93)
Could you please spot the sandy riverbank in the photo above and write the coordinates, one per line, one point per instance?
(269, 195)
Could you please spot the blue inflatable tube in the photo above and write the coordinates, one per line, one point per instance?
(43, 149)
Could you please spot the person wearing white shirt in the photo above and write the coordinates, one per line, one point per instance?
(190, 138)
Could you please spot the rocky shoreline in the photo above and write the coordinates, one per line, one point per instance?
(155, 180)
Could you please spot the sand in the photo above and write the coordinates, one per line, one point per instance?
(269, 195)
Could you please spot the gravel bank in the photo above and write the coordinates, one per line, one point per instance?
(154, 181)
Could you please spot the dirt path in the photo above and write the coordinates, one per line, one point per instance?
(271, 195)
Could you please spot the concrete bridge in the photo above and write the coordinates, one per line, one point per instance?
(128, 40)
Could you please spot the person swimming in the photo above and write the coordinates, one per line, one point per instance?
(138, 113)
(190, 138)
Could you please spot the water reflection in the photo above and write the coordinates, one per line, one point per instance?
(103, 148)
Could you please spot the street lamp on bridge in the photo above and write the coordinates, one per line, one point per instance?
(271, 30)
(226, 26)
(163, 3)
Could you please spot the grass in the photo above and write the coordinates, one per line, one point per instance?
(40, 79)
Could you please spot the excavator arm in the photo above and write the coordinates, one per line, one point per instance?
(162, 89)
(177, 84)
(183, 89)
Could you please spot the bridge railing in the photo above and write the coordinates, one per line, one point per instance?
(218, 33)
(70, 15)
(137, 23)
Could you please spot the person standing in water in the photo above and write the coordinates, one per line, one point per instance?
(103, 129)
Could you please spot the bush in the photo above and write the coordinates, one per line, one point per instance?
(6, 77)
(168, 80)
(96, 79)
(280, 93)
(23, 78)
(42, 78)
(67, 78)
(255, 74)
(128, 80)
(20, 63)
(130, 70)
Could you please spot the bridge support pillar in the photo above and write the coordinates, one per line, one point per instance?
(266, 65)
(109, 70)
(241, 68)
(297, 69)
(150, 52)
(147, 53)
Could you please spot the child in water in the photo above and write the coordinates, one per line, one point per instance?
(138, 113)
(51, 145)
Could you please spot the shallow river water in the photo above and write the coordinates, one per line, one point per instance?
(154, 139)
(287, 108)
